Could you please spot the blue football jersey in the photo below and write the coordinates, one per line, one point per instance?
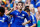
(19, 18)
(31, 23)
(38, 0)
(33, 20)
(4, 21)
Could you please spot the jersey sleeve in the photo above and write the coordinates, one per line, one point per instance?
(27, 16)
(12, 13)
(8, 19)
(12, 20)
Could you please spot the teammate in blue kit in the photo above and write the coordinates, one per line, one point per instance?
(19, 16)
(33, 18)
(11, 22)
(3, 18)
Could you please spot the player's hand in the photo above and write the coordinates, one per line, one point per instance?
(12, 9)
(31, 26)
(23, 23)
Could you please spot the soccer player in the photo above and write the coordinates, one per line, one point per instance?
(19, 16)
(4, 20)
(33, 18)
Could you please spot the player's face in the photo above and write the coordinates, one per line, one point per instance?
(38, 9)
(28, 12)
(20, 5)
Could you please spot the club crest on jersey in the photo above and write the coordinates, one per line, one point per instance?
(22, 14)
(17, 13)
(3, 18)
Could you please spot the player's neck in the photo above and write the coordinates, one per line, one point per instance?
(29, 14)
(19, 10)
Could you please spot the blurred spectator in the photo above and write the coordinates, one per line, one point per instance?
(7, 10)
(34, 2)
(3, 0)
(19, 0)
(11, 5)
(16, 1)
(0, 1)
(29, 2)
(23, 1)
(38, 7)
(32, 18)
(32, 11)
(10, 1)
(38, 14)
(3, 4)
(7, 1)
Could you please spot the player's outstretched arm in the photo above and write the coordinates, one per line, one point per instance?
(34, 25)
(27, 17)
(26, 22)
(9, 25)
(9, 12)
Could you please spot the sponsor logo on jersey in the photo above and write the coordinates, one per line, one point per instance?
(17, 13)
(20, 17)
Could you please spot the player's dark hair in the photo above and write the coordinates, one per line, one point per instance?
(21, 2)
(27, 9)
(26, 6)
(2, 10)
(17, 4)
